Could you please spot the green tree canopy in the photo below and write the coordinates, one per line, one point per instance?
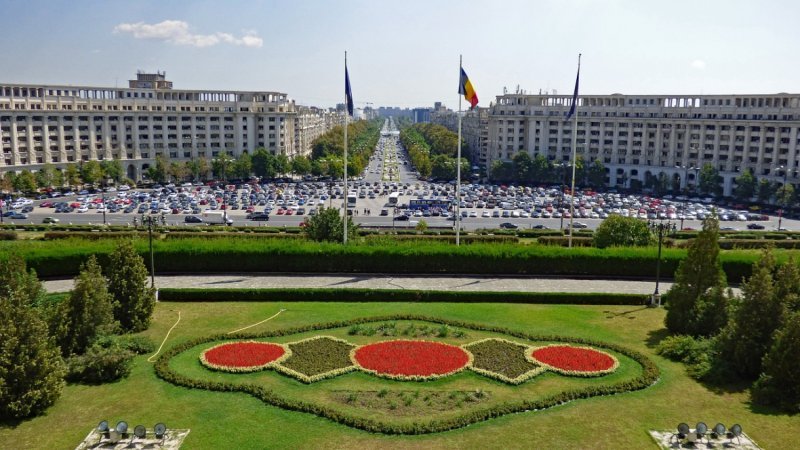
(745, 186)
(622, 231)
(133, 300)
(328, 225)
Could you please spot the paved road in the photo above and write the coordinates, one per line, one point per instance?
(371, 281)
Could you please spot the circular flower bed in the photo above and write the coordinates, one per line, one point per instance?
(571, 360)
(410, 360)
(243, 356)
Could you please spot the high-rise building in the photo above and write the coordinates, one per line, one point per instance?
(60, 124)
(641, 136)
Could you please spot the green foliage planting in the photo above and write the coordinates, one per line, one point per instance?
(87, 312)
(649, 375)
(563, 241)
(31, 368)
(127, 282)
(8, 236)
(410, 330)
(503, 360)
(696, 353)
(395, 295)
(317, 358)
(698, 300)
(619, 231)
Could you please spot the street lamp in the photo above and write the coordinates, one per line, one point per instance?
(686, 170)
(661, 229)
(104, 208)
(150, 220)
(782, 200)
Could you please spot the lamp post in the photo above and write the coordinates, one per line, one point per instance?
(150, 220)
(686, 170)
(661, 229)
(782, 200)
(104, 208)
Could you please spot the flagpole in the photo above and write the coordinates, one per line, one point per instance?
(574, 160)
(458, 165)
(346, 192)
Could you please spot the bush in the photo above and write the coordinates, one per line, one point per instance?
(779, 384)
(8, 236)
(139, 345)
(563, 241)
(619, 231)
(100, 364)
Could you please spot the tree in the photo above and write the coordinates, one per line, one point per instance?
(222, 166)
(784, 196)
(301, 165)
(765, 190)
(91, 172)
(31, 368)
(25, 181)
(779, 383)
(243, 167)
(7, 181)
(697, 301)
(597, 174)
(158, 173)
(328, 225)
(263, 163)
(112, 168)
(622, 231)
(86, 314)
(523, 168)
(45, 177)
(749, 334)
(745, 186)
(177, 170)
(72, 175)
(662, 184)
(710, 181)
(502, 170)
(133, 301)
(542, 170)
(282, 164)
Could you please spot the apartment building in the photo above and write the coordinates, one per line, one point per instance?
(311, 123)
(638, 136)
(62, 124)
(474, 129)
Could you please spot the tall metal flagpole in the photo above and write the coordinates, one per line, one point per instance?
(574, 161)
(346, 192)
(458, 164)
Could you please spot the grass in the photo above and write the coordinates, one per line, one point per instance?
(233, 420)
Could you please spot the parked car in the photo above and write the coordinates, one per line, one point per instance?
(50, 220)
(509, 226)
(755, 226)
(192, 219)
(259, 217)
(401, 217)
(17, 215)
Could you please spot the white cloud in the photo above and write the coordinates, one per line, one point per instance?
(177, 32)
(698, 64)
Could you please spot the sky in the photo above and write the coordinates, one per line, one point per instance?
(406, 53)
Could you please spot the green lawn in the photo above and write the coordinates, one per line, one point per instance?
(235, 420)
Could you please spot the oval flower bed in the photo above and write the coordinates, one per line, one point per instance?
(244, 356)
(410, 360)
(575, 361)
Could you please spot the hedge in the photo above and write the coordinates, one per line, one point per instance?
(649, 376)
(466, 238)
(8, 235)
(198, 255)
(395, 295)
(731, 244)
(577, 241)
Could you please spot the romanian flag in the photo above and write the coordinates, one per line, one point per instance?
(465, 88)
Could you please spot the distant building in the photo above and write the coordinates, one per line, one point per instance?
(474, 129)
(421, 115)
(61, 124)
(641, 136)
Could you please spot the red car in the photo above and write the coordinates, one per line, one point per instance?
(46, 205)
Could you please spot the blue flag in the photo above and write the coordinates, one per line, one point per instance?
(347, 92)
(574, 94)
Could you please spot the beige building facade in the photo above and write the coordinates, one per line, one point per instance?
(636, 136)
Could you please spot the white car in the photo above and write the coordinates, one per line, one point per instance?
(82, 209)
(486, 214)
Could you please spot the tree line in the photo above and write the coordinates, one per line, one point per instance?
(80, 337)
(523, 169)
(433, 149)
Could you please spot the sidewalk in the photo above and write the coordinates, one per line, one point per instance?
(376, 281)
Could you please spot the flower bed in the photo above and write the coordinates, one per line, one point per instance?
(317, 358)
(573, 360)
(410, 360)
(243, 356)
(502, 360)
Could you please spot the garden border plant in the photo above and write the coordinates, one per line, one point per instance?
(524, 349)
(650, 375)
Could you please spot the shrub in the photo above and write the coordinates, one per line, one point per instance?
(619, 231)
(328, 226)
(100, 364)
(563, 241)
(139, 345)
(8, 236)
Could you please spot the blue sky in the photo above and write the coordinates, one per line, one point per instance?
(406, 53)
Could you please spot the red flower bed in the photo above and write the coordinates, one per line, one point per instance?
(411, 359)
(575, 360)
(242, 356)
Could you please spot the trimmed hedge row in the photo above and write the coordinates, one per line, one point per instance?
(395, 295)
(197, 255)
(8, 236)
(731, 244)
(95, 235)
(467, 239)
(563, 241)
(649, 376)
